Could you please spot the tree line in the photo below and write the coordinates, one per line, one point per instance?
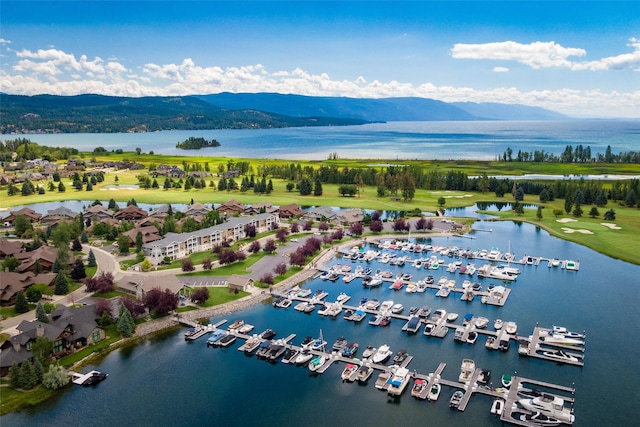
(579, 154)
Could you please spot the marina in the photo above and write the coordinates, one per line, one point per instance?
(395, 378)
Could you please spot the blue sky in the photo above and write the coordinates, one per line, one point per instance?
(579, 58)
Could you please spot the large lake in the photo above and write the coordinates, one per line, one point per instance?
(166, 381)
(483, 140)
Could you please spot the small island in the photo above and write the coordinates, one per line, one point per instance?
(192, 143)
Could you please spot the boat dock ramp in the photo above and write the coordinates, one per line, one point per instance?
(198, 330)
(510, 396)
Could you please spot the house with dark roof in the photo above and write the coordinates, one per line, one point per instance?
(350, 216)
(139, 284)
(62, 213)
(45, 255)
(320, 213)
(149, 234)
(231, 207)
(130, 213)
(68, 328)
(30, 214)
(290, 211)
(96, 213)
(258, 208)
(11, 283)
(237, 283)
(10, 248)
(197, 209)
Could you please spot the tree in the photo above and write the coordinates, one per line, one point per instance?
(323, 226)
(207, 264)
(55, 378)
(146, 265)
(62, 284)
(250, 230)
(91, 259)
(187, 265)
(40, 314)
(305, 187)
(42, 348)
(557, 212)
(33, 294)
(280, 268)
(11, 263)
(126, 326)
(317, 188)
(28, 378)
(61, 187)
(200, 295)
(123, 244)
(102, 284)
(568, 205)
(356, 229)
(610, 215)
(139, 241)
(38, 369)
(102, 307)
(519, 194)
(161, 302)
(270, 246)
(441, 201)
(254, 247)
(281, 234)
(593, 213)
(376, 226)
(84, 237)
(290, 186)
(577, 211)
(267, 279)
(22, 306)
(631, 198)
(78, 271)
(21, 225)
(539, 213)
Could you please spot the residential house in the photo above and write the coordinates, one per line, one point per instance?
(197, 209)
(231, 208)
(45, 255)
(350, 216)
(31, 215)
(149, 234)
(180, 245)
(68, 329)
(321, 213)
(239, 283)
(290, 211)
(9, 248)
(258, 208)
(130, 213)
(96, 213)
(11, 283)
(54, 216)
(139, 285)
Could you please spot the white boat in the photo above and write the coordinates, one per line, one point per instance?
(372, 304)
(348, 370)
(397, 308)
(497, 325)
(549, 405)
(434, 393)
(555, 262)
(560, 355)
(382, 354)
(443, 292)
(386, 306)
(429, 328)
(439, 314)
(506, 380)
(481, 322)
(316, 362)
(235, 325)
(497, 407)
(467, 368)
(472, 336)
(570, 265)
(398, 381)
(246, 328)
(342, 297)
(561, 339)
(369, 351)
(451, 317)
(364, 373)
(562, 330)
(418, 388)
(510, 327)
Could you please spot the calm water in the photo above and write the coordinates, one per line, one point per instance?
(166, 381)
(403, 140)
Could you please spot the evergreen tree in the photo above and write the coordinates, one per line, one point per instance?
(631, 198)
(139, 242)
(519, 194)
(126, 326)
(76, 246)
(601, 198)
(89, 186)
(123, 244)
(22, 306)
(61, 187)
(28, 378)
(317, 188)
(78, 271)
(610, 215)
(269, 187)
(41, 315)
(84, 238)
(568, 205)
(593, 213)
(38, 369)
(62, 285)
(37, 268)
(14, 376)
(305, 187)
(539, 213)
(577, 211)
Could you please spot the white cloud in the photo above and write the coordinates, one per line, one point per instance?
(500, 70)
(57, 72)
(546, 55)
(536, 54)
(4, 41)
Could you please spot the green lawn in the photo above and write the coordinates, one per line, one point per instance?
(239, 267)
(222, 295)
(11, 399)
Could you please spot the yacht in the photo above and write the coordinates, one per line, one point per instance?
(549, 405)
(539, 418)
(563, 331)
(398, 381)
(561, 339)
(303, 357)
(560, 355)
(382, 355)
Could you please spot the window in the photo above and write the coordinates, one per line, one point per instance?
(57, 346)
(95, 336)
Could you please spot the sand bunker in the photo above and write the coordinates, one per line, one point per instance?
(563, 220)
(578, 230)
(611, 226)
(458, 197)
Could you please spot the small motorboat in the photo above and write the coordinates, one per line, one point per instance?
(385, 321)
(226, 340)
(481, 322)
(348, 370)
(506, 380)
(215, 337)
(497, 407)
(400, 357)
(382, 354)
(303, 357)
(452, 317)
(350, 349)
(245, 329)
(455, 400)
(429, 328)
(340, 343)
(317, 362)
(369, 351)
(364, 373)
(497, 325)
(511, 327)
(235, 325)
(540, 419)
(290, 355)
(418, 387)
(268, 334)
(434, 393)
(472, 337)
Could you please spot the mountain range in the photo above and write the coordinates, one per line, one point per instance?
(99, 113)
